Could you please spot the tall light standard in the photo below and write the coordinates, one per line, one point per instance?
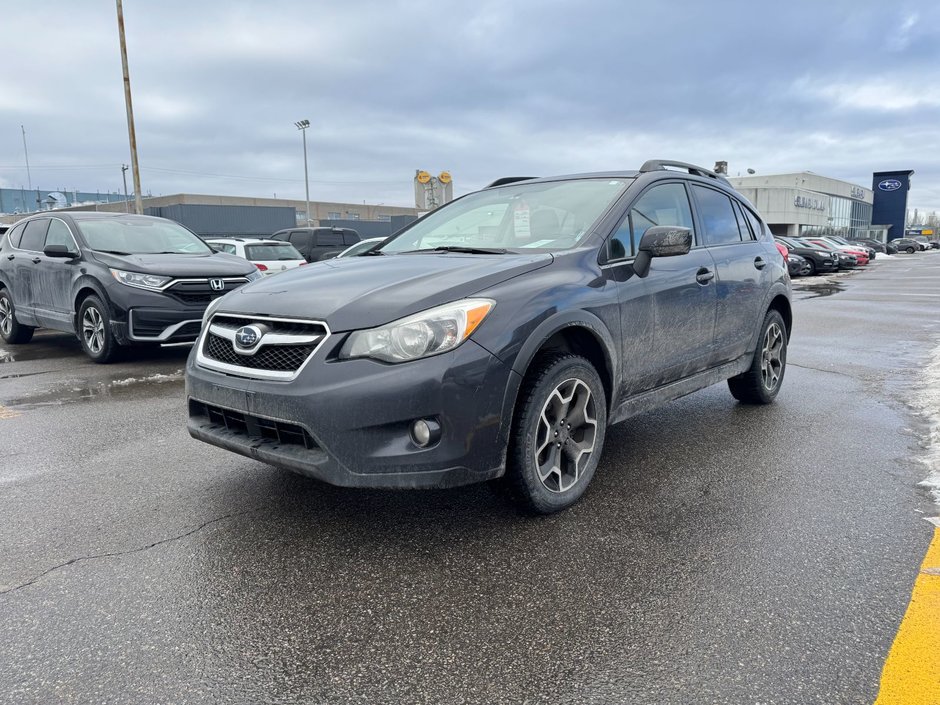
(302, 125)
(131, 133)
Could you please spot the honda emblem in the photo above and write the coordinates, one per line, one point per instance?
(217, 284)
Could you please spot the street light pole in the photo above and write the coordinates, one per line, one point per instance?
(29, 178)
(124, 169)
(131, 134)
(302, 125)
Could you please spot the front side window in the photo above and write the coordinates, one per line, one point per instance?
(717, 216)
(546, 216)
(140, 236)
(59, 234)
(666, 204)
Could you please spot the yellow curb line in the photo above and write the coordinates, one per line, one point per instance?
(911, 675)
(6, 413)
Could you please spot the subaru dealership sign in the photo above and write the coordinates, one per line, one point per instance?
(889, 185)
(890, 202)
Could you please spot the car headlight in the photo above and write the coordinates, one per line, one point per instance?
(154, 282)
(210, 309)
(253, 275)
(430, 332)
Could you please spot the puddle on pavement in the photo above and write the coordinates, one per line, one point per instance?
(127, 388)
(28, 353)
(816, 291)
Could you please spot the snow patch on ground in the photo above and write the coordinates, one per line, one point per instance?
(174, 377)
(926, 401)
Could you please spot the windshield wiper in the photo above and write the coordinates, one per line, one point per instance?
(465, 249)
(370, 253)
(115, 252)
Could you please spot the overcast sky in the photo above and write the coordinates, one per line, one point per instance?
(482, 89)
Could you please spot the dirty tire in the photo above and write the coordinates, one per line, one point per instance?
(811, 270)
(94, 331)
(558, 432)
(10, 330)
(909, 250)
(760, 384)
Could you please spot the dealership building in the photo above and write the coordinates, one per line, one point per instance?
(805, 203)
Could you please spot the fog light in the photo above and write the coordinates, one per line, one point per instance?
(424, 432)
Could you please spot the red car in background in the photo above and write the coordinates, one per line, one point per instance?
(861, 256)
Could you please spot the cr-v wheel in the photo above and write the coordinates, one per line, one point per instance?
(558, 433)
(94, 330)
(10, 330)
(760, 384)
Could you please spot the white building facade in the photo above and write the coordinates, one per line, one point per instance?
(805, 203)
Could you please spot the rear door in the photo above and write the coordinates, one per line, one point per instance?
(27, 260)
(53, 276)
(743, 270)
(328, 244)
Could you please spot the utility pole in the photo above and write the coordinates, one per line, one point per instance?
(302, 125)
(131, 134)
(29, 179)
(124, 168)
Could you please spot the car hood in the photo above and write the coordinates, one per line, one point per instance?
(363, 292)
(216, 264)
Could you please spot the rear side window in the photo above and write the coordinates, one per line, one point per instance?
(34, 235)
(14, 235)
(743, 227)
(329, 239)
(224, 247)
(59, 234)
(300, 239)
(717, 216)
(756, 227)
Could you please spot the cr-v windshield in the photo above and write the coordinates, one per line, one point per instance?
(554, 215)
(140, 236)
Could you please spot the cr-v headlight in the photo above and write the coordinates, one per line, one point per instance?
(154, 282)
(430, 332)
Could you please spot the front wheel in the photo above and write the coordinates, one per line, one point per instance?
(12, 331)
(760, 384)
(810, 267)
(94, 331)
(558, 433)
(909, 250)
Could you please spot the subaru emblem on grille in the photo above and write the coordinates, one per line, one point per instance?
(217, 284)
(247, 336)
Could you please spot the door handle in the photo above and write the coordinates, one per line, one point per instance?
(703, 276)
(759, 263)
(36, 260)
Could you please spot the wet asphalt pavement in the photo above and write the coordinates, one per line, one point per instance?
(724, 554)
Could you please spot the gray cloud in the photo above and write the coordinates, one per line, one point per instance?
(482, 89)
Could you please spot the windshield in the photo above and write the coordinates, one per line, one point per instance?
(140, 236)
(272, 251)
(548, 216)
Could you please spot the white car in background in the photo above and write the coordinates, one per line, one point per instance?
(269, 256)
(361, 246)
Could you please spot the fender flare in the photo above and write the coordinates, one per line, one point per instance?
(542, 333)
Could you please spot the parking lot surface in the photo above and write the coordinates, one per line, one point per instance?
(723, 554)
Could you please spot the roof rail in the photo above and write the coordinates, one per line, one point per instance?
(661, 164)
(509, 180)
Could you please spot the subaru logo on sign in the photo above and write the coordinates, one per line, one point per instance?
(889, 185)
(247, 336)
(217, 284)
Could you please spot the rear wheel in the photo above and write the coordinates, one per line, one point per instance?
(558, 433)
(94, 331)
(909, 250)
(760, 384)
(10, 330)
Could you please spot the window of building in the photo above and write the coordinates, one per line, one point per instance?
(334, 215)
(383, 218)
(352, 215)
(717, 216)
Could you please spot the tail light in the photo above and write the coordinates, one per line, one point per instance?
(783, 251)
(262, 267)
(303, 264)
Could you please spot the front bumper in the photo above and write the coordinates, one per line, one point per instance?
(346, 422)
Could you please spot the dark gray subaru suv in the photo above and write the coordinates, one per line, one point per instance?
(500, 335)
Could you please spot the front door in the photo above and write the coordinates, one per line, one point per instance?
(668, 317)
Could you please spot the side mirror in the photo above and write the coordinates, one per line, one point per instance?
(661, 241)
(59, 251)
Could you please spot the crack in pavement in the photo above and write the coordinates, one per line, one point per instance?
(835, 372)
(36, 579)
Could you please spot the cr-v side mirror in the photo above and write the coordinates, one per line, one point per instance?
(661, 241)
(59, 251)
